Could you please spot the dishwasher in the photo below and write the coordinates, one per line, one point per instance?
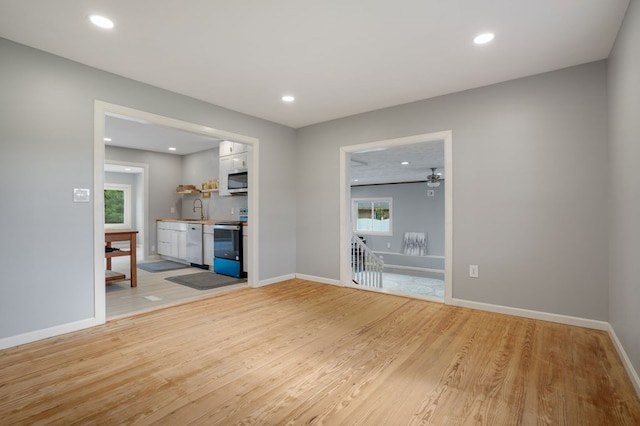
(194, 245)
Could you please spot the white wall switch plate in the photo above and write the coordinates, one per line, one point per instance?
(81, 195)
(473, 271)
(388, 245)
(172, 210)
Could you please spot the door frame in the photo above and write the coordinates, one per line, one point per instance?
(142, 234)
(345, 202)
(101, 110)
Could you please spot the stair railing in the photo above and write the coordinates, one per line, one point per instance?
(366, 266)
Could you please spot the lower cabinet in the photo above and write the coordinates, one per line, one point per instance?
(172, 240)
(245, 248)
(207, 241)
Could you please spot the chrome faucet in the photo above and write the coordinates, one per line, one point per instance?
(200, 207)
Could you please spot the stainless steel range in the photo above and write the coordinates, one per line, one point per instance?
(227, 249)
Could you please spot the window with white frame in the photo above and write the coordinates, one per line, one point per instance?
(372, 216)
(117, 205)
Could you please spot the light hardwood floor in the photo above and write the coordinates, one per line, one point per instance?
(153, 291)
(305, 353)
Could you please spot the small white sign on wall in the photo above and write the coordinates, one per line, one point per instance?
(431, 192)
(81, 195)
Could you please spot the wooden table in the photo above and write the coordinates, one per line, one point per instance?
(111, 235)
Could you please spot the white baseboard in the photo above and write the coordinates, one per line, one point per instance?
(21, 339)
(320, 280)
(526, 313)
(633, 374)
(275, 280)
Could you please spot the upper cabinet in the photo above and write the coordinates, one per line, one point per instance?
(230, 148)
(238, 161)
(233, 157)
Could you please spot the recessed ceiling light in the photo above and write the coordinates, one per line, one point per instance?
(107, 139)
(101, 21)
(127, 169)
(172, 148)
(288, 98)
(355, 180)
(484, 38)
(404, 163)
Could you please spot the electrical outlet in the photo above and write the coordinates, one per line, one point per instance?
(233, 210)
(153, 248)
(473, 271)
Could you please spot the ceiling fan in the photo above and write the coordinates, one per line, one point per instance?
(433, 180)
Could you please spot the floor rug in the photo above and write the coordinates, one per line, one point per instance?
(161, 266)
(205, 280)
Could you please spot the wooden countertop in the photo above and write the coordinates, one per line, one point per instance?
(204, 222)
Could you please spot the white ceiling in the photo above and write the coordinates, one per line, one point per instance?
(338, 57)
(385, 166)
(132, 133)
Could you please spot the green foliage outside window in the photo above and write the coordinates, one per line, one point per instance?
(113, 206)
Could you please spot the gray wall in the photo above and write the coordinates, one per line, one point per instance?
(201, 167)
(528, 205)
(46, 131)
(624, 153)
(412, 211)
(165, 173)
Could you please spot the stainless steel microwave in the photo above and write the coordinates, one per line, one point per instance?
(238, 181)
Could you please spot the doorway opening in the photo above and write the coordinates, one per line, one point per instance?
(104, 110)
(132, 179)
(398, 234)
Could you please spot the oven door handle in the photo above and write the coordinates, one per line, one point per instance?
(230, 227)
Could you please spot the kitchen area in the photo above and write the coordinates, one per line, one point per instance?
(195, 223)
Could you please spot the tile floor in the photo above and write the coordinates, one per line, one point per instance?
(153, 291)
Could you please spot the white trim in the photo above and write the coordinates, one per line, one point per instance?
(411, 268)
(345, 201)
(448, 217)
(320, 280)
(394, 292)
(276, 280)
(538, 315)
(126, 190)
(101, 109)
(99, 293)
(45, 333)
(633, 374)
(144, 233)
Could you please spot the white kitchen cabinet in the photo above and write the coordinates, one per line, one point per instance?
(230, 148)
(163, 235)
(172, 239)
(245, 248)
(233, 156)
(182, 243)
(239, 161)
(225, 167)
(207, 241)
